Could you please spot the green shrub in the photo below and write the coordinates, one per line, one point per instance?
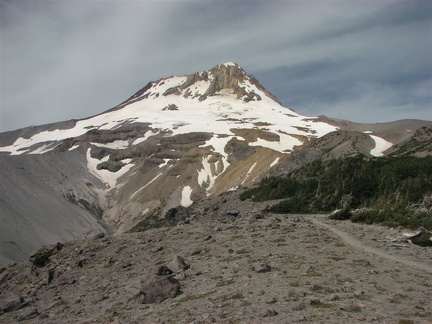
(424, 239)
(386, 186)
(146, 224)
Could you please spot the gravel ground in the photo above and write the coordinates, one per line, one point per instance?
(277, 269)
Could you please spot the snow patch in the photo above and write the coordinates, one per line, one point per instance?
(116, 145)
(285, 143)
(164, 163)
(107, 177)
(206, 178)
(186, 194)
(274, 162)
(143, 139)
(74, 147)
(218, 144)
(44, 149)
(381, 145)
(249, 172)
(133, 195)
(227, 64)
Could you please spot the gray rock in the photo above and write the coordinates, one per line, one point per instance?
(158, 288)
(29, 314)
(262, 268)
(300, 306)
(177, 264)
(352, 308)
(257, 215)
(270, 312)
(172, 90)
(233, 213)
(9, 302)
(315, 302)
(272, 300)
(175, 215)
(228, 216)
(196, 251)
(54, 304)
(163, 271)
(4, 274)
(41, 256)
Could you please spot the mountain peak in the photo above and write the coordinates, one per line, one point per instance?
(230, 76)
(229, 64)
(225, 79)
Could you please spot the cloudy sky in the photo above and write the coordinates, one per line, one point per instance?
(365, 61)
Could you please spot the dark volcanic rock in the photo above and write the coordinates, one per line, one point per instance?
(175, 215)
(9, 302)
(228, 216)
(163, 271)
(41, 256)
(158, 288)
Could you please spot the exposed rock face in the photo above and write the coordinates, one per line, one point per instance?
(170, 107)
(41, 256)
(231, 77)
(176, 215)
(45, 199)
(192, 79)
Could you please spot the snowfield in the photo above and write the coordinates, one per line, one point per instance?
(186, 200)
(381, 145)
(217, 114)
(222, 115)
(108, 177)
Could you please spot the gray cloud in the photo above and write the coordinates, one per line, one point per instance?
(367, 61)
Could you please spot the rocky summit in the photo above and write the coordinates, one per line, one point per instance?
(136, 215)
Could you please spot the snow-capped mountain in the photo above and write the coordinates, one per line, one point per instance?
(214, 101)
(177, 140)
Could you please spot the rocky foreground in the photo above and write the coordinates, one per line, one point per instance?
(228, 262)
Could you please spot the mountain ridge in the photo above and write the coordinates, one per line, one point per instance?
(176, 141)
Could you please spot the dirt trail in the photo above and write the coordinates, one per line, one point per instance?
(354, 242)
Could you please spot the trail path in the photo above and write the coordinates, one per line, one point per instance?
(354, 242)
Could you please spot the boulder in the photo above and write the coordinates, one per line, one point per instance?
(158, 288)
(175, 215)
(163, 271)
(270, 312)
(40, 257)
(29, 314)
(262, 268)
(177, 264)
(9, 302)
(257, 215)
(228, 216)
